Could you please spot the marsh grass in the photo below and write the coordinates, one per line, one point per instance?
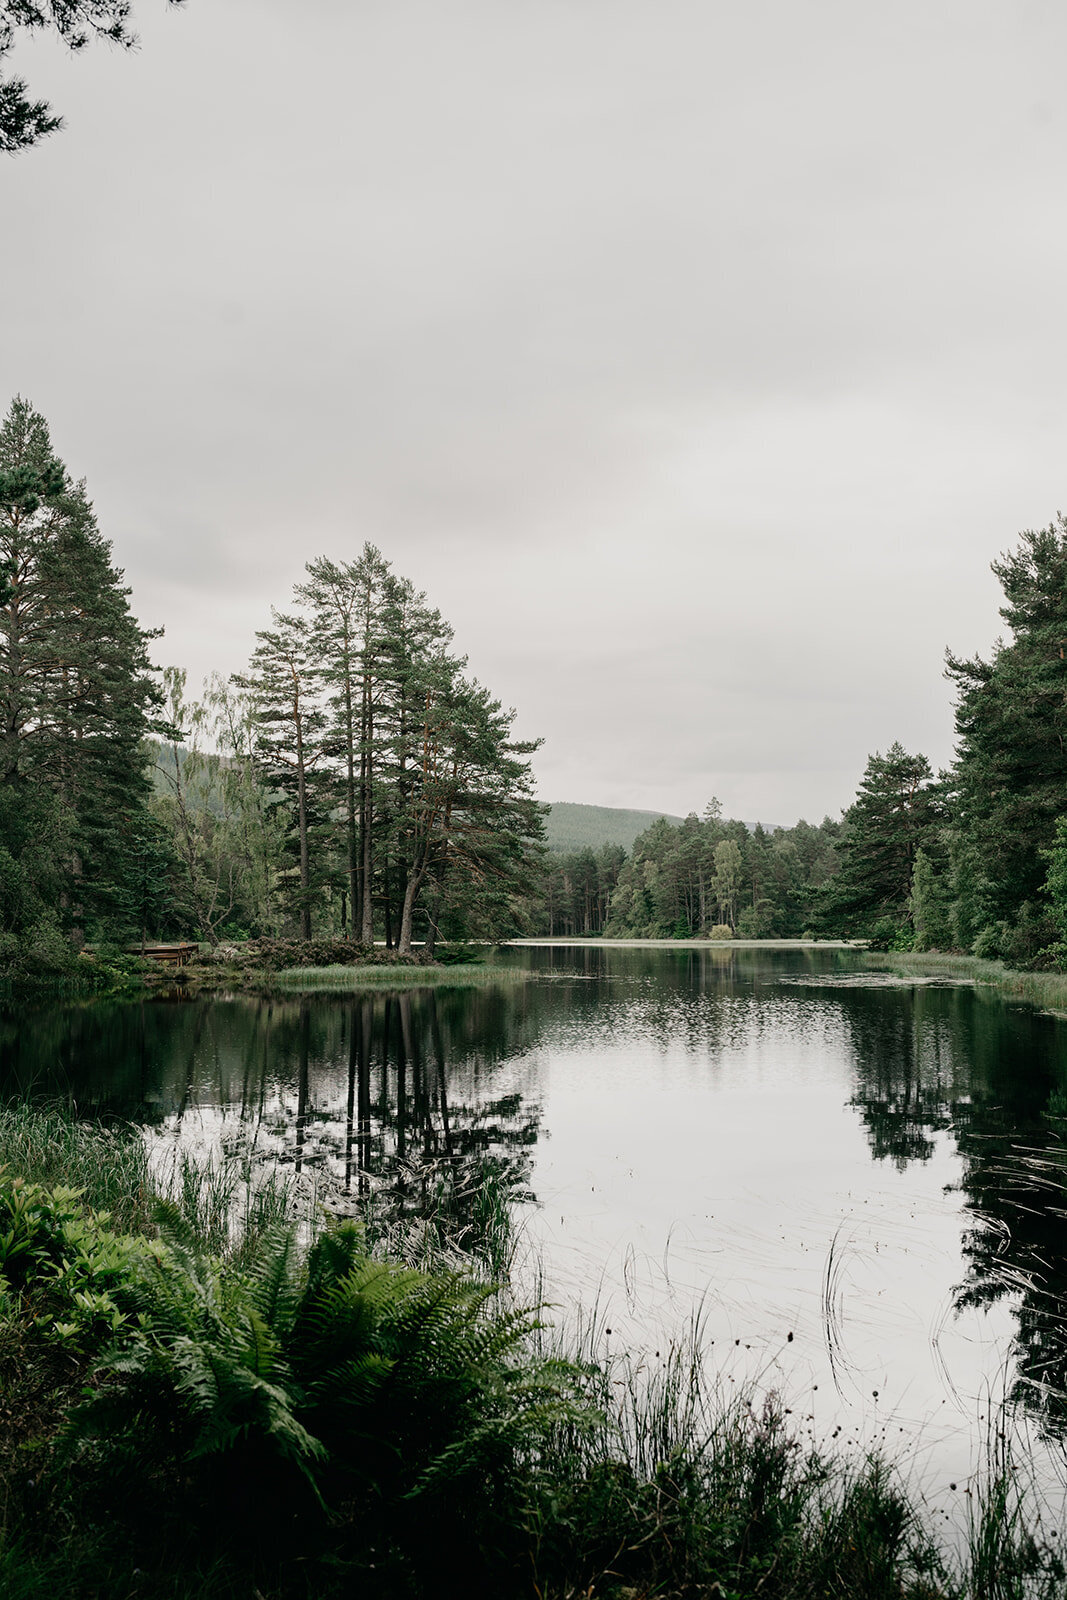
(229, 1200)
(345, 979)
(1047, 989)
(689, 1491)
(108, 1163)
(458, 1213)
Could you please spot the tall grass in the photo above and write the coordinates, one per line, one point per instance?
(687, 1490)
(344, 979)
(230, 1200)
(1048, 989)
(447, 1211)
(109, 1164)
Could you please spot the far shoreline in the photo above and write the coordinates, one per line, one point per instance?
(577, 941)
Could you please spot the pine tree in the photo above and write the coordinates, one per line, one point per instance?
(351, 609)
(283, 683)
(1011, 717)
(76, 690)
(24, 122)
(897, 811)
(365, 716)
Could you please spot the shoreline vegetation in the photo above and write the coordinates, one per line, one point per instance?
(274, 967)
(210, 1390)
(261, 966)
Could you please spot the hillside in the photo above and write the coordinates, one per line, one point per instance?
(571, 827)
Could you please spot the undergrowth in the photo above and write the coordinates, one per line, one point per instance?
(201, 1401)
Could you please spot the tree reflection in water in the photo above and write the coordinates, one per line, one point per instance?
(428, 1101)
(391, 1096)
(936, 1060)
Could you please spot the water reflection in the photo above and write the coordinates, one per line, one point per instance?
(994, 1074)
(679, 1062)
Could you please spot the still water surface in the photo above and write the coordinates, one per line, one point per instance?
(859, 1186)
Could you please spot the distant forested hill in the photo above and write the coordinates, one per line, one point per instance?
(573, 827)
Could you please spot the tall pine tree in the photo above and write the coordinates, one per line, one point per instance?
(1011, 718)
(76, 691)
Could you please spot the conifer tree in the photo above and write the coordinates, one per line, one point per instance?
(898, 810)
(363, 709)
(76, 691)
(283, 682)
(24, 122)
(350, 608)
(1011, 717)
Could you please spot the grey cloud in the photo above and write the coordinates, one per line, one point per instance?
(695, 358)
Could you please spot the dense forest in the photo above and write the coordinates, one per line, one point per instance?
(356, 782)
(972, 859)
(704, 874)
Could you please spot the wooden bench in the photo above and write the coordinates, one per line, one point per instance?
(172, 955)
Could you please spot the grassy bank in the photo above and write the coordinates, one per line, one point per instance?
(340, 979)
(198, 1409)
(269, 966)
(1048, 989)
(256, 966)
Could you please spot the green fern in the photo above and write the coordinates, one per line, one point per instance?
(394, 1394)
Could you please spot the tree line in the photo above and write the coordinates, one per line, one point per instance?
(970, 859)
(975, 858)
(687, 880)
(354, 781)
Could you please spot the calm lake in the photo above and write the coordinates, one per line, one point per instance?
(857, 1184)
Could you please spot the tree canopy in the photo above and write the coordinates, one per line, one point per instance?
(76, 699)
(24, 122)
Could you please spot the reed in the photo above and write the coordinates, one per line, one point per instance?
(1047, 989)
(344, 979)
(109, 1163)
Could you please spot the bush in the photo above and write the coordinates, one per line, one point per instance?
(988, 941)
(888, 934)
(1033, 931)
(320, 1404)
(721, 930)
(274, 955)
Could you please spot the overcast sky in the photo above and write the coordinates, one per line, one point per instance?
(695, 357)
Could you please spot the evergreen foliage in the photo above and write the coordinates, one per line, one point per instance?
(897, 814)
(929, 905)
(75, 701)
(24, 122)
(283, 686)
(409, 801)
(972, 862)
(682, 881)
(1011, 717)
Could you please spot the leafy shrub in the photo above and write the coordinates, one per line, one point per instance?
(988, 941)
(273, 955)
(721, 930)
(888, 934)
(61, 1263)
(458, 955)
(1033, 930)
